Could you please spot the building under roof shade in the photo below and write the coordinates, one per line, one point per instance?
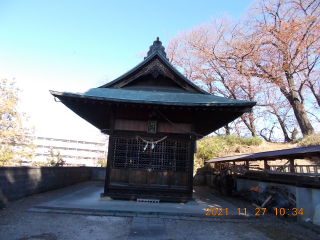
(153, 115)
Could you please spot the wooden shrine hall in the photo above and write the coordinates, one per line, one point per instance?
(153, 116)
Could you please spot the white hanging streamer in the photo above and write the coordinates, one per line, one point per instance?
(153, 143)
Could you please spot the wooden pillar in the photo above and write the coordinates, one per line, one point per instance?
(247, 164)
(266, 166)
(223, 173)
(291, 165)
(150, 164)
(191, 158)
(110, 152)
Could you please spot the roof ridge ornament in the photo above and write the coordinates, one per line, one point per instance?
(157, 46)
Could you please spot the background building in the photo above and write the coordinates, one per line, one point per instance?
(73, 152)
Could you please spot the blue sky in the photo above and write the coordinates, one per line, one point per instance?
(75, 45)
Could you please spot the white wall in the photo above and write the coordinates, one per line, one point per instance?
(306, 198)
(73, 151)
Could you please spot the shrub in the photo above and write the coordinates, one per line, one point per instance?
(310, 140)
(102, 162)
(211, 147)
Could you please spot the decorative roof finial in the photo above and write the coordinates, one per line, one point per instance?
(157, 46)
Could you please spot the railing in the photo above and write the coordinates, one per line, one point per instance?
(297, 168)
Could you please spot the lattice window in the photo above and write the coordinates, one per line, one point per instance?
(166, 155)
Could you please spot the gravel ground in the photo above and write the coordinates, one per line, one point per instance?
(274, 227)
(17, 223)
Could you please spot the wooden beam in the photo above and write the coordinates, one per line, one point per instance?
(145, 135)
(291, 165)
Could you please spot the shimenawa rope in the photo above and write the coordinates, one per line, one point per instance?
(153, 143)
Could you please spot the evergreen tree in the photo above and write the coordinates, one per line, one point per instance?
(15, 139)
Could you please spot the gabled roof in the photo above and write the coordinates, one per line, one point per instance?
(95, 105)
(156, 59)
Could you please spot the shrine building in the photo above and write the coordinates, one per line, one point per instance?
(153, 115)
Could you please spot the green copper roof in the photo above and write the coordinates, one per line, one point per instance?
(154, 97)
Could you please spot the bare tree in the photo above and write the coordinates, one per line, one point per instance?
(198, 52)
(278, 42)
(277, 45)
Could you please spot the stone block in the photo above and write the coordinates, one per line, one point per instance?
(126, 214)
(17, 182)
(60, 211)
(38, 210)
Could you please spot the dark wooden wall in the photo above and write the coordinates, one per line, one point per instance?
(140, 125)
(126, 112)
(130, 178)
(143, 178)
(136, 119)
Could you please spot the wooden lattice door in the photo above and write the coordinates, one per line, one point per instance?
(137, 163)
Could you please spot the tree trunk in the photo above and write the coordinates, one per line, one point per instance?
(299, 112)
(302, 118)
(284, 130)
(250, 125)
(316, 96)
(282, 125)
(227, 128)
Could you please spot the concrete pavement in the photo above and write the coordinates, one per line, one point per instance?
(47, 223)
(86, 201)
(148, 218)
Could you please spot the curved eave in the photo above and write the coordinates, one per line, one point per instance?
(156, 98)
(208, 115)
